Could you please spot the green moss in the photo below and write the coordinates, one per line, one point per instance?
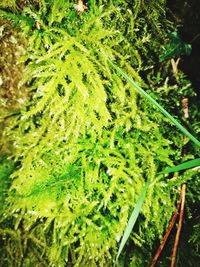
(85, 142)
(6, 168)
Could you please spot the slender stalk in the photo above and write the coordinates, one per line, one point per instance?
(175, 249)
(132, 220)
(184, 104)
(185, 107)
(167, 233)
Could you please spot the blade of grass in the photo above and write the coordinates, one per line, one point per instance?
(132, 219)
(141, 199)
(154, 102)
(183, 166)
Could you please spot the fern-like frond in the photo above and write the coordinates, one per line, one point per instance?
(85, 143)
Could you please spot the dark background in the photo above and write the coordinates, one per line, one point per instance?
(187, 16)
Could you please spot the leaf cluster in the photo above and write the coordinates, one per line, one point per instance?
(85, 142)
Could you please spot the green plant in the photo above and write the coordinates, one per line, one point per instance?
(84, 141)
(175, 48)
(6, 168)
(180, 167)
(8, 4)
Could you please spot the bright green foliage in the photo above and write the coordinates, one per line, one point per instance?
(157, 105)
(6, 168)
(8, 4)
(85, 142)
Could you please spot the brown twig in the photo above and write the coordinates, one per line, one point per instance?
(185, 107)
(184, 104)
(175, 249)
(167, 233)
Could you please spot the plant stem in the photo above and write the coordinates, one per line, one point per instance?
(167, 233)
(184, 104)
(183, 191)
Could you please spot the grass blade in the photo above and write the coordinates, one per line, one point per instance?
(183, 166)
(132, 219)
(155, 103)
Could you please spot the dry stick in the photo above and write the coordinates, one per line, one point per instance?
(184, 104)
(183, 190)
(167, 233)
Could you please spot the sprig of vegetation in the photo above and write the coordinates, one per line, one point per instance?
(84, 142)
(156, 104)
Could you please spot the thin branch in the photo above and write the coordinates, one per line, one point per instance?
(167, 233)
(184, 104)
(183, 191)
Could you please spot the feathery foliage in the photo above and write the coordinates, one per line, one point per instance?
(84, 141)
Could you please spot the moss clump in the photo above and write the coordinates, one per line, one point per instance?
(85, 142)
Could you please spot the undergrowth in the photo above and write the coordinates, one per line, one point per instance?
(83, 142)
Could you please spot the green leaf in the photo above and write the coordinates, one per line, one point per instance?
(175, 48)
(132, 219)
(155, 103)
(183, 166)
